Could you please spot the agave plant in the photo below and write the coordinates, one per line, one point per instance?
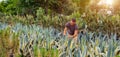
(37, 41)
(9, 42)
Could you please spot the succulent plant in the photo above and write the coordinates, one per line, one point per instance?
(36, 41)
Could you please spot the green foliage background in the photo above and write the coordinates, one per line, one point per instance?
(56, 13)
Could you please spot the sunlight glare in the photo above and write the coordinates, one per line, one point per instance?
(109, 2)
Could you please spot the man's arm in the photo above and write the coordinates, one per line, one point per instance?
(75, 33)
(65, 30)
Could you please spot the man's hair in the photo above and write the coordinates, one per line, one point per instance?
(73, 20)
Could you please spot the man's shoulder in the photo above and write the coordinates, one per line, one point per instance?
(67, 24)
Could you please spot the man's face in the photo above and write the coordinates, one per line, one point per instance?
(72, 23)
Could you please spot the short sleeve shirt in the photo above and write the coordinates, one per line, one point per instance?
(71, 28)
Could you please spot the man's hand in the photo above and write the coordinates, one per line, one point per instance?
(64, 34)
(65, 29)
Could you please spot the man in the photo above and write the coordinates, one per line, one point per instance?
(71, 28)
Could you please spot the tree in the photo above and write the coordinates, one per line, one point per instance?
(30, 6)
(116, 5)
(94, 5)
(82, 4)
(8, 7)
